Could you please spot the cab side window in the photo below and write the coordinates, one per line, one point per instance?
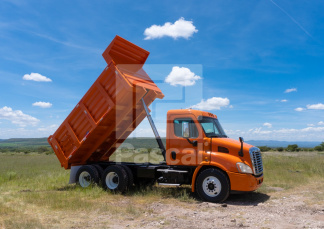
(185, 128)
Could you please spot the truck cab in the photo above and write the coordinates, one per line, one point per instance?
(196, 138)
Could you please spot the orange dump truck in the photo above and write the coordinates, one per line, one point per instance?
(197, 153)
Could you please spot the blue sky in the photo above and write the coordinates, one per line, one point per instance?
(241, 55)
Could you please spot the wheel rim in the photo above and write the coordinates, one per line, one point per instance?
(85, 179)
(212, 186)
(112, 180)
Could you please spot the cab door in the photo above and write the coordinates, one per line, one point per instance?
(185, 137)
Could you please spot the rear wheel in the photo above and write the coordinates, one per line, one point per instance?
(130, 176)
(87, 175)
(213, 185)
(115, 179)
(99, 170)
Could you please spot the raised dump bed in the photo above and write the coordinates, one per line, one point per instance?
(109, 111)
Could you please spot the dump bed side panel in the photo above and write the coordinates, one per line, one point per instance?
(109, 111)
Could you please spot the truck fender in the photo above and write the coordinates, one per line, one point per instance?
(198, 169)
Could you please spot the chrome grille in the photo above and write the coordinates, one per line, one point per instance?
(256, 159)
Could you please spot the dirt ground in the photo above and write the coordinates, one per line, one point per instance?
(298, 208)
(280, 209)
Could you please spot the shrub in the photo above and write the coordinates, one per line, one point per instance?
(42, 149)
(292, 148)
(318, 148)
(264, 148)
(4, 150)
(280, 149)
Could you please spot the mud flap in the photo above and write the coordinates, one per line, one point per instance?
(73, 172)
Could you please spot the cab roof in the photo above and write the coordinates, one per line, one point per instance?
(196, 113)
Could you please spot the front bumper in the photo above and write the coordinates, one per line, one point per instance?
(244, 182)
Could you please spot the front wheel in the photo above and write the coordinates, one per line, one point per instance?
(213, 185)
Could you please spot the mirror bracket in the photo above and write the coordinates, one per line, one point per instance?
(240, 153)
(194, 142)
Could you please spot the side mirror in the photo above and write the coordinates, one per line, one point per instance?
(241, 151)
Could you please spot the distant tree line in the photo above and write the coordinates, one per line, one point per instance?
(292, 148)
(26, 149)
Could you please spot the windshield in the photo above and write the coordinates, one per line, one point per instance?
(212, 127)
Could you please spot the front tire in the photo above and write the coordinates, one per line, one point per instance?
(213, 185)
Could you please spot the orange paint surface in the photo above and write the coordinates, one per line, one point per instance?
(110, 110)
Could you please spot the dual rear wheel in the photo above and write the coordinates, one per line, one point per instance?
(116, 178)
(87, 175)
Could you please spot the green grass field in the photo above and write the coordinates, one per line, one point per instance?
(287, 170)
(34, 192)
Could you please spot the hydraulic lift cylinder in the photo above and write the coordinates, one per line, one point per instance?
(156, 133)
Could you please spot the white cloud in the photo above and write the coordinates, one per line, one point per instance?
(299, 109)
(214, 103)
(269, 125)
(259, 131)
(181, 76)
(310, 125)
(319, 106)
(284, 100)
(320, 123)
(36, 77)
(17, 117)
(42, 104)
(287, 131)
(290, 90)
(284, 134)
(51, 128)
(180, 28)
(22, 132)
(144, 132)
(291, 131)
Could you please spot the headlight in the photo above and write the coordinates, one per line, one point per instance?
(243, 168)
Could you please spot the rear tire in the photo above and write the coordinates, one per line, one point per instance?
(213, 185)
(130, 176)
(87, 175)
(115, 179)
(99, 170)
